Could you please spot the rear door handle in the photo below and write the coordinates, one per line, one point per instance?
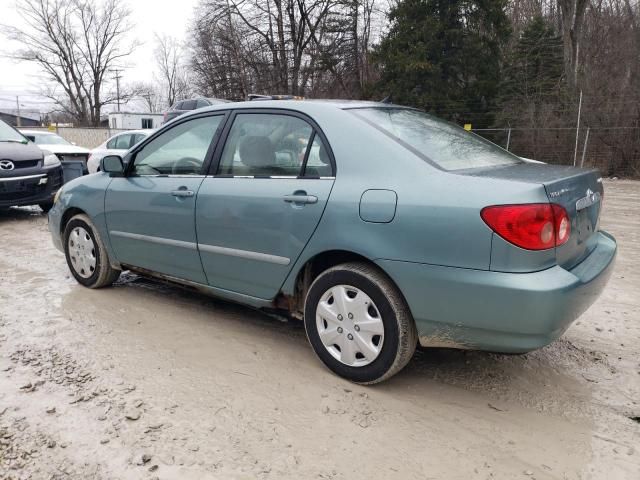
(300, 198)
(182, 193)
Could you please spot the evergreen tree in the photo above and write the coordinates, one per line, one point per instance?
(533, 93)
(445, 56)
(535, 68)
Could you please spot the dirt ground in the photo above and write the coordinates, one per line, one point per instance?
(147, 380)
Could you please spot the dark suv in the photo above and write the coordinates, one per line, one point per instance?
(184, 106)
(28, 175)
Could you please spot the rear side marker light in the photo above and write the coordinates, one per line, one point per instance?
(532, 226)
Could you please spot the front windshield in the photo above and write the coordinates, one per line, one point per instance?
(50, 139)
(8, 134)
(445, 144)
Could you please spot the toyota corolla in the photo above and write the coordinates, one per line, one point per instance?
(379, 226)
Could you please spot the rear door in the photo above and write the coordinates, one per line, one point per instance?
(151, 211)
(256, 214)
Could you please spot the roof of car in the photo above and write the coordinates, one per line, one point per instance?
(36, 132)
(139, 130)
(300, 104)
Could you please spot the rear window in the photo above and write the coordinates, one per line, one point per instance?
(442, 143)
(188, 105)
(46, 139)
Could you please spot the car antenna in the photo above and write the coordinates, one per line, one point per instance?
(386, 99)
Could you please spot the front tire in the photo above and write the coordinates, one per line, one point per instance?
(86, 256)
(359, 324)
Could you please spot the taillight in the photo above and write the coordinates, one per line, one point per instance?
(534, 226)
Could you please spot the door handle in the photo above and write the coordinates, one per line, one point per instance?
(300, 198)
(182, 192)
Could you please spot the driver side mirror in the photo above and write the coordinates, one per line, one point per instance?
(112, 164)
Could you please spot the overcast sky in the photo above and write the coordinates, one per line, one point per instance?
(149, 16)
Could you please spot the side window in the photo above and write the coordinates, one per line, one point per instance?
(180, 150)
(318, 162)
(137, 138)
(123, 141)
(188, 105)
(265, 145)
(111, 144)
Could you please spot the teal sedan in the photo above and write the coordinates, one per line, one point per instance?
(379, 226)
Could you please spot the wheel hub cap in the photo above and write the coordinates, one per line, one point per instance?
(82, 252)
(350, 325)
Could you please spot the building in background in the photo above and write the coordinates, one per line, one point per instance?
(24, 120)
(134, 120)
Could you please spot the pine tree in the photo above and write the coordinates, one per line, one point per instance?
(445, 56)
(534, 69)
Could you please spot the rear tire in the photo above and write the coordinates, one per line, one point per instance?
(359, 324)
(86, 255)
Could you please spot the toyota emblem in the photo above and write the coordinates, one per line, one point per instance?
(6, 165)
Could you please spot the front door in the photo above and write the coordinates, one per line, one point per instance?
(257, 213)
(151, 211)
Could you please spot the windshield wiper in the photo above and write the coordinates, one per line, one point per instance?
(8, 140)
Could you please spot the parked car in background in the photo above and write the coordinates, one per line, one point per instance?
(28, 175)
(380, 226)
(116, 145)
(184, 106)
(51, 142)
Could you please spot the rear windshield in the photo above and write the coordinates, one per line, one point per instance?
(45, 139)
(445, 144)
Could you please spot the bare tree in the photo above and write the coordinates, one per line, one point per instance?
(76, 43)
(572, 17)
(170, 59)
(299, 47)
(150, 96)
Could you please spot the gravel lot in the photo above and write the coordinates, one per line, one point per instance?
(148, 380)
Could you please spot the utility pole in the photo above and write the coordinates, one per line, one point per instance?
(575, 151)
(118, 77)
(18, 121)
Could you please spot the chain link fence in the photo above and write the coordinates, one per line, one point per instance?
(615, 151)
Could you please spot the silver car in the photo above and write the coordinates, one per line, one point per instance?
(115, 145)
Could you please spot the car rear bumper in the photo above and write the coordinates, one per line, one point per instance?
(502, 312)
(30, 189)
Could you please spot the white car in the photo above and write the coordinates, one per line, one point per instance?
(116, 145)
(51, 142)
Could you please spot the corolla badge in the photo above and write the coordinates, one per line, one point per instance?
(589, 199)
(6, 165)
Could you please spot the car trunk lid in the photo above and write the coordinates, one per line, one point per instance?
(578, 190)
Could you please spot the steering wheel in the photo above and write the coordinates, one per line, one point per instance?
(186, 165)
